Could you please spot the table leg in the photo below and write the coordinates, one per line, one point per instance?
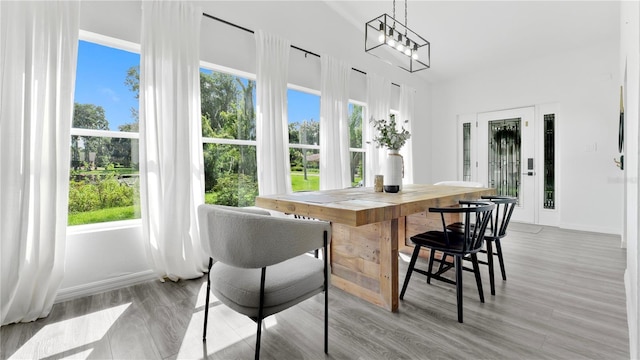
(364, 261)
(389, 264)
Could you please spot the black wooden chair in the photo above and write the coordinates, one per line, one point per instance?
(496, 230)
(457, 244)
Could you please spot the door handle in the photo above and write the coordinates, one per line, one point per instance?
(529, 173)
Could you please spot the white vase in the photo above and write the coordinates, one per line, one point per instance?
(393, 172)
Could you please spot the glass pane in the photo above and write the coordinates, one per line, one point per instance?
(304, 129)
(104, 180)
(504, 156)
(355, 126)
(228, 106)
(549, 162)
(106, 89)
(230, 174)
(304, 117)
(305, 165)
(466, 151)
(357, 168)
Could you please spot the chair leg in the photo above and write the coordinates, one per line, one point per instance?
(206, 309)
(443, 261)
(432, 256)
(260, 313)
(499, 252)
(326, 322)
(492, 281)
(458, 264)
(412, 264)
(476, 271)
(326, 292)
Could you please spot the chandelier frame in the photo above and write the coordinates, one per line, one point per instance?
(383, 33)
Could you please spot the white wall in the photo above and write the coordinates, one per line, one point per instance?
(586, 86)
(99, 259)
(109, 258)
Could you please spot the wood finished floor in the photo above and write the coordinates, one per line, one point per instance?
(564, 299)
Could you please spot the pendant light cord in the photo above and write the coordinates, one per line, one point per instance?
(405, 18)
(394, 13)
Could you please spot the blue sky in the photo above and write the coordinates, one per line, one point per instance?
(101, 72)
(100, 76)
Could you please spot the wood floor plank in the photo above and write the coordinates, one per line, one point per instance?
(564, 299)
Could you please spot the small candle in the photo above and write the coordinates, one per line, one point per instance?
(377, 184)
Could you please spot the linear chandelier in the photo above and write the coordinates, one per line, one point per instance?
(396, 44)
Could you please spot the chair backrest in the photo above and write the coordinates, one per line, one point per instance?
(471, 184)
(250, 238)
(502, 214)
(474, 212)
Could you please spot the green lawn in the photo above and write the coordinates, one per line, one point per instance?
(102, 171)
(104, 215)
(298, 183)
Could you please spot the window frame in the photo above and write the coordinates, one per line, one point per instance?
(223, 141)
(124, 45)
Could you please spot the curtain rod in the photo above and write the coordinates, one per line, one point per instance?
(293, 46)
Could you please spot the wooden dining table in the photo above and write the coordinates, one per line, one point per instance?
(369, 229)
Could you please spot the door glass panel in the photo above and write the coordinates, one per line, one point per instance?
(504, 156)
(549, 164)
(466, 151)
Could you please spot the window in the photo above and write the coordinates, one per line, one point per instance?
(229, 138)
(104, 173)
(304, 140)
(356, 151)
(466, 152)
(549, 200)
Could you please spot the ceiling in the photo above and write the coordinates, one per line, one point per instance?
(472, 36)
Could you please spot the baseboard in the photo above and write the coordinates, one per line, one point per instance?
(593, 229)
(97, 287)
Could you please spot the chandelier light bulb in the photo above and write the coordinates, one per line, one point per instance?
(400, 47)
(415, 52)
(407, 49)
(381, 30)
(391, 42)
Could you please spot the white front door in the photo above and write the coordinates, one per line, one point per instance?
(506, 157)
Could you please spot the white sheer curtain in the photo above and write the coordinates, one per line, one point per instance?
(272, 132)
(38, 47)
(378, 94)
(171, 169)
(334, 124)
(407, 95)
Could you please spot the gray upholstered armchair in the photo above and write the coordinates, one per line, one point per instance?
(259, 264)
